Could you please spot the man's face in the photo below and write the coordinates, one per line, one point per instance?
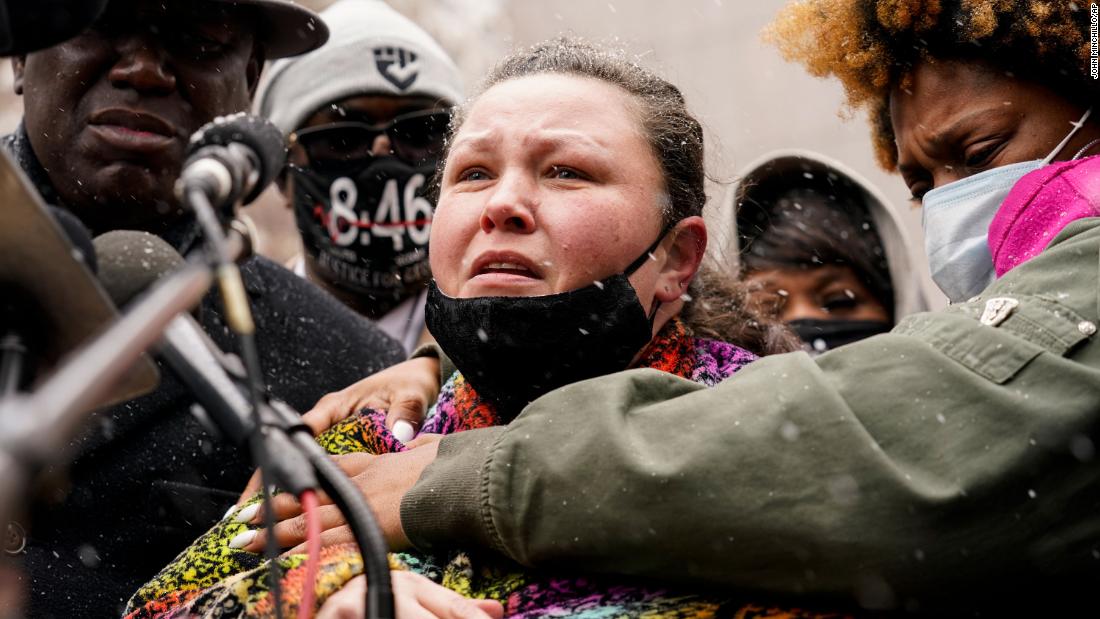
(109, 112)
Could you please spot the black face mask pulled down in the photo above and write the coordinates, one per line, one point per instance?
(824, 335)
(367, 229)
(514, 349)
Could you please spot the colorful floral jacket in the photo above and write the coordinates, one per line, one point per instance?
(210, 579)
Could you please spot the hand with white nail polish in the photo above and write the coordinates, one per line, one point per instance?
(404, 391)
(403, 431)
(414, 596)
(383, 481)
(242, 539)
(247, 514)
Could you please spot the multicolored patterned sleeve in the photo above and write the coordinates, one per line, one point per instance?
(211, 579)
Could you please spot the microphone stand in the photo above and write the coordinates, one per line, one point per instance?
(277, 431)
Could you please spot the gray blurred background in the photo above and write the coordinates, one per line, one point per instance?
(750, 100)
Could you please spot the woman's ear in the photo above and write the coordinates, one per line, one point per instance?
(684, 257)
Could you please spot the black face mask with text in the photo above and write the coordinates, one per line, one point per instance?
(367, 230)
(515, 349)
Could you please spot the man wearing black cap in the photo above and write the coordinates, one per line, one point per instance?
(107, 119)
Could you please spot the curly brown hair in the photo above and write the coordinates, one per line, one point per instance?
(872, 46)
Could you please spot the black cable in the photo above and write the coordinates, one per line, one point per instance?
(250, 356)
(212, 232)
(372, 545)
(239, 319)
(271, 545)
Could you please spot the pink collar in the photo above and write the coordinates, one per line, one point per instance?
(1039, 206)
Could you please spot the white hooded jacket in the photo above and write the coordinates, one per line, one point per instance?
(910, 295)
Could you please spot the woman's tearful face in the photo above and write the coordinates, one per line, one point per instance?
(549, 186)
(960, 118)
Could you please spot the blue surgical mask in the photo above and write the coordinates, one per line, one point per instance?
(956, 220)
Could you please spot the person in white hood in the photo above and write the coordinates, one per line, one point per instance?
(823, 247)
(366, 116)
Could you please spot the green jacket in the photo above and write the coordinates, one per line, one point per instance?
(954, 454)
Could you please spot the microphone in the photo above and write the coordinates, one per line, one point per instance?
(131, 262)
(286, 447)
(29, 26)
(232, 159)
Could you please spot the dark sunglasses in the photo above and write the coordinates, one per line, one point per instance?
(415, 138)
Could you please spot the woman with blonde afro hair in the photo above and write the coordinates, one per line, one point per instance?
(873, 46)
(965, 98)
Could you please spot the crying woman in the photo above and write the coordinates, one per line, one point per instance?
(566, 244)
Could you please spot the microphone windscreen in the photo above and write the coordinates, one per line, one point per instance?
(131, 261)
(258, 134)
(28, 26)
(78, 236)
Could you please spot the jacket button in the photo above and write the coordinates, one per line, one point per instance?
(1086, 327)
(15, 539)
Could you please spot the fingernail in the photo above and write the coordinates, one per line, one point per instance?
(242, 540)
(229, 511)
(247, 514)
(403, 431)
